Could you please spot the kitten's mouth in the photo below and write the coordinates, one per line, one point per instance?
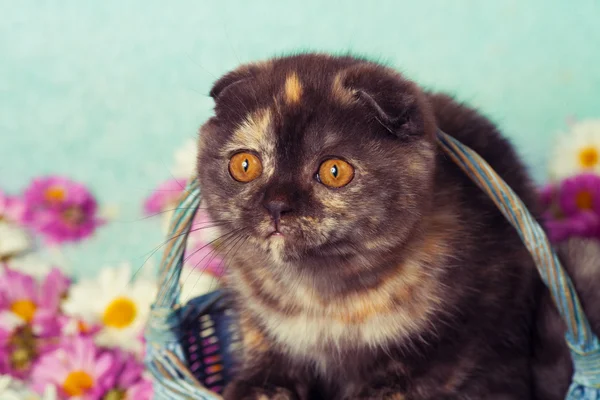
(274, 232)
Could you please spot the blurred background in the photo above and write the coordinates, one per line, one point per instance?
(106, 92)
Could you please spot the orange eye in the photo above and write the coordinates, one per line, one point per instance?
(245, 167)
(335, 173)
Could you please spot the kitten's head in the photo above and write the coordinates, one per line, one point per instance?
(312, 157)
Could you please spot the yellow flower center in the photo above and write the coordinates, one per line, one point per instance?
(83, 327)
(22, 348)
(588, 157)
(584, 200)
(24, 309)
(115, 394)
(77, 383)
(55, 194)
(120, 313)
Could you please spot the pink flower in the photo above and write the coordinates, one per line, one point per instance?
(11, 208)
(129, 380)
(200, 253)
(202, 257)
(580, 193)
(547, 195)
(130, 370)
(558, 230)
(203, 240)
(203, 263)
(53, 288)
(29, 322)
(60, 209)
(204, 229)
(585, 224)
(34, 302)
(164, 196)
(77, 368)
(140, 391)
(5, 367)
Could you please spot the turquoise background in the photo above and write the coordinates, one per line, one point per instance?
(105, 91)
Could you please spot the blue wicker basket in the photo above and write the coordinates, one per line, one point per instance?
(192, 349)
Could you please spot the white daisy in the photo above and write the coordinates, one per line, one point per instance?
(14, 240)
(185, 160)
(117, 305)
(12, 389)
(31, 264)
(577, 151)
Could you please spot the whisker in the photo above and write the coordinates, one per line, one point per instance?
(226, 236)
(233, 236)
(214, 254)
(153, 252)
(170, 210)
(203, 247)
(202, 67)
(182, 187)
(204, 227)
(241, 244)
(177, 236)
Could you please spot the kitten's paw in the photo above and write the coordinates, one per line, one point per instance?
(240, 390)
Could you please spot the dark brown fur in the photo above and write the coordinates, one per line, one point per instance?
(405, 284)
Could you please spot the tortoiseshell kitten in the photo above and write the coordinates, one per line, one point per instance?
(365, 264)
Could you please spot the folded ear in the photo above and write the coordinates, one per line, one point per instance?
(396, 103)
(232, 78)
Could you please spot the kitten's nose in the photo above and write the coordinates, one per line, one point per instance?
(277, 207)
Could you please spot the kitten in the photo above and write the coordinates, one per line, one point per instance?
(363, 262)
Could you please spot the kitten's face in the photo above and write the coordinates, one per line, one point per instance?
(309, 159)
